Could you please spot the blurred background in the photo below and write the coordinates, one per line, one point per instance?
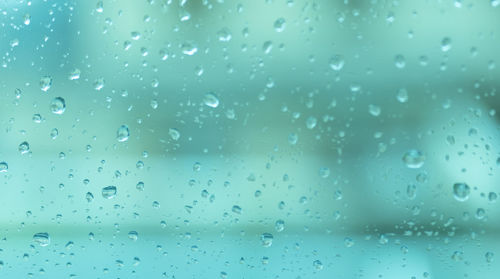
(249, 139)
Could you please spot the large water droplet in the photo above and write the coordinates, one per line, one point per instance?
(413, 159)
(109, 192)
(461, 191)
(211, 100)
(43, 238)
(123, 133)
(45, 83)
(236, 209)
(58, 105)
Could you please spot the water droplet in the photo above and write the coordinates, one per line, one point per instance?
(89, 196)
(123, 133)
(399, 61)
(337, 62)
(109, 192)
(4, 167)
(348, 242)
(45, 83)
(266, 239)
(480, 213)
(457, 256)
(75, 74)
(411, 191)
(140, 186)
(54, 133)
(99, 7)
(58, 105)
(402, 95)
(374, 110)
(390, 17)
(133, 235)
(224, 35)
(492, 197)
(280, 24)
(279, 225)
(27, 19)
(236, 209)
(211, 100)
(293, 138)
(24, 147)
(489, 256)
(311, 122)
(318, 265)
(461, 191)
(197, 166)
(174, 133)
(43, 238)
(99, 84)
(414, 159)
(446, 44)
(189, 48)
(324, 172)
(267, 47)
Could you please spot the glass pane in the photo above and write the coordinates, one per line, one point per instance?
(249, 139)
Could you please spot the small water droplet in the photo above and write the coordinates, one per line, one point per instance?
(211, 100)
(43, 238)
(4, 167)
(27, 19)
(189, 48)
(280, 24)
(266, 239)
(489, 256)
(236, 209)
(224, 35)
(445, 44)
(348, 242)
(109, 192)
(461, 191)
(24, 147)
(337, 62)
(279, 225)
(293, 138)
(58, 105)
(54, 133)
(267, 47)
(45, 83)
(324, 172)
(123, 133)
(174, 133)
(99, 7)
(75, 74)
(402, 95)
(399, 61)
(133, 235)
(318, 265)
(492, 197)
(89, 196)
(374, 110)
(414, 159)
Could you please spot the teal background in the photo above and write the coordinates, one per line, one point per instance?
(245, 144)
